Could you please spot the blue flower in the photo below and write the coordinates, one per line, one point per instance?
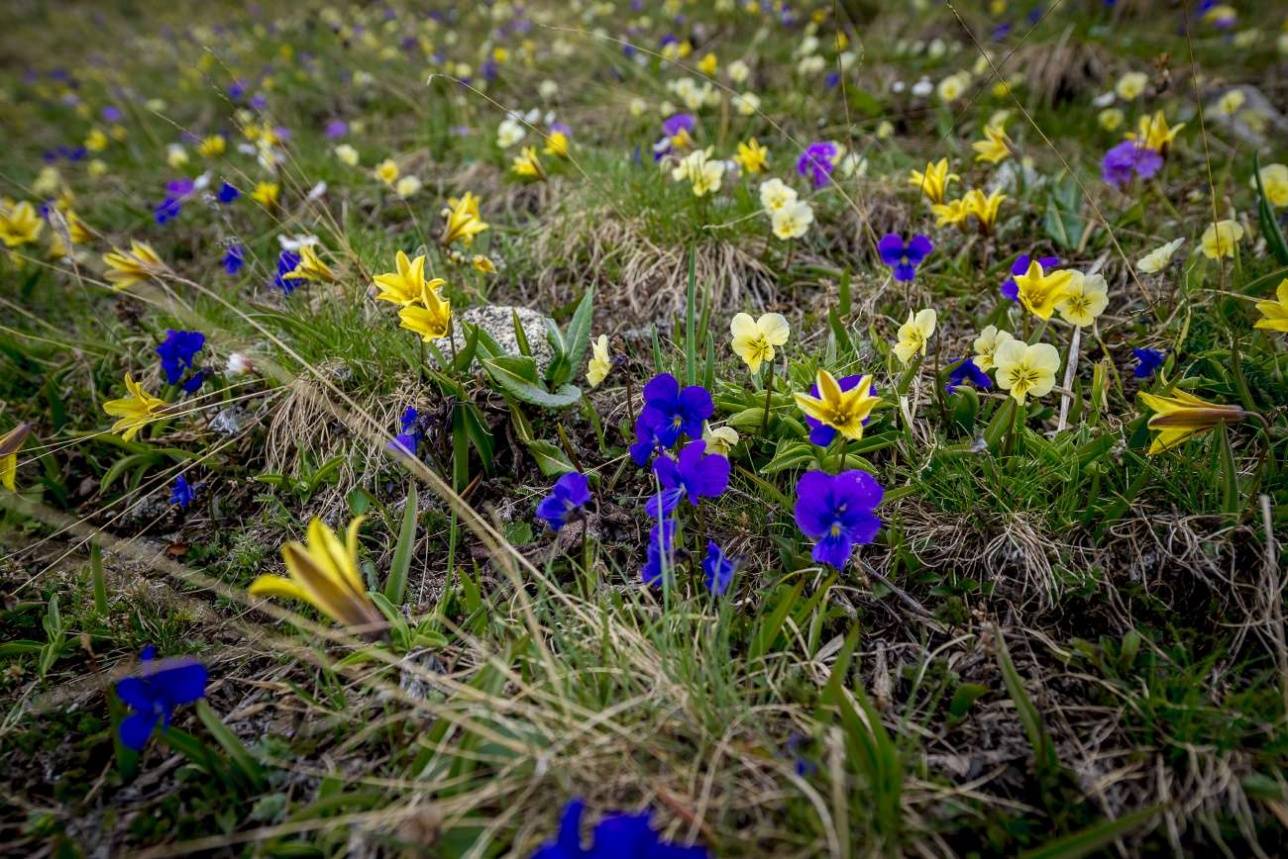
(695, 475)
(966, 371)
(837, 512)
(661, 550)
(616, 836)
(1011, 289)
(154, 691)
(234, 259)
(177, 352)
(570, 494)
(719, 569)
(817, 161)
(904, 258)
(182, 493)
(820, 433)
(286, 263)
(167, 210)
(1127, 158)
(409, 436)
(1147, 362)
(669, 413)
(227, 193)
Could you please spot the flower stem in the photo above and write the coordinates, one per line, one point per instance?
(769, 390)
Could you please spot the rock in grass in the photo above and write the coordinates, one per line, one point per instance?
(497, 320)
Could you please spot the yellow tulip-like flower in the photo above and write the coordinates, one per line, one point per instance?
(126, 268)
(527, 165)
(1023, 369)
(19, 224)
(1154, 132)
(266, 194)
(914, 334)
(1085, 298)
(601, 363)
(984, 208)
(1274, 178)
(1181, 415)
(404, 286)
(387, 171)
(986, 346)
(708, 64)
(1220, 239)
(934, 181)
(754, 340)
(793, 220)
(213, 146)
(1040, 292)
(325, 575)
(556, 144)
(96, 141)
(698, 169)
(310, 268)
(720, 440)
(482, 264)
(135, 411)
(1274, 314)
(994, 147)
(10, 444)
(843, 411)
(752, 157)
(462, 220)
(431, 318)
(952, 212)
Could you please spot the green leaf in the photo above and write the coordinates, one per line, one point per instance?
(576, 337)
(549, 457)
(690, 321)
(465, 356)
(790, 454)
(520, 336)
(1044, 758)
(510, 374)
(97, 578)
(477, 432)
(963, 697)
(396, 584)
(1063, 220)
(772, 624)
(243, 763)
(1087, 841)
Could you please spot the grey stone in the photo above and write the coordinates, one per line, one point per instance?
(497, 320)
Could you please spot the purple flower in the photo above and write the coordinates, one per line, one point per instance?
(234, 259)
(409, 435)
(570, 494)
(820, 433)
(167, 210)
(111, 113)
(616, 836)
(817, 161)
(182, 493)
(837, 512)
(180, 187)
(695, 475)
(154, 691)
(719, 569)
(672, 126)
(1127, 158)
(286, 263)
(904, 258)
(227, 193)
(1147, 362)
(669, 413)
(661, 549)
(966, 371)
(1011, 289)
(177, 352)
(336, 129)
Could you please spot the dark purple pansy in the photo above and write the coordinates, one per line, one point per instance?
(616, 836)
(286, 263)
(234, 259)
(1128, 158)
(718, 569)
(694, 474)
(177, 353)
(817, 162)
(569, 494)
(661, 549)
(837, 513)
(1147, 362)
(182, 493)
(154, 691)
(966, 371)
(668, 413)
(903, 258)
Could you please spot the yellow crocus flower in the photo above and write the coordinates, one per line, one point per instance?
(19, 224)
(843, 411)
(212, 146)
(1154, 132)
(266, 194)
(984, 208)
(556, 144)
(754, 340)
(431, 318)
(10, 444)
(752, 157)
(994, 147)
(462, 220)
(1180, 415)
(126, 268)
(134, 411)
(310, 268)
(1040, 292)
(952, 212)
(1274, 314)
(404, 286)
(934, 181)
(527, 164)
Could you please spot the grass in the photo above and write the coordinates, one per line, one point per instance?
(1056, 645)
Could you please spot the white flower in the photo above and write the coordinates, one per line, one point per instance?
(698, 169)
(509, 132)
(747, 103)
(316, 192)
(739, 71)
(547, 89)
(347, 154)
(294, 243)
(407, 186)
(238, 364)
(1157, 259)
(793, 220)
(775, 195)
(923, 88)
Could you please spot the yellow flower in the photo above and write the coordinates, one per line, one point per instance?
(1084, 299)
(934, 182)
(984, 208)
(387, 171)
(754, 339)
(407, 186)
(76, 229)
(482, 264)
(404, 286)
(325, 575)
(213, 146)
(10, 444)
(556, 144)
(1040, 292)
(1131, 85)
(775, 195)
(1219, 239)
(1023, 369)
(1274, 314)
(1181, 415)
(126, 268)
(708, 64)
(1154, 132)
(752, 157)
(952, 212)
(310, 267)
(1110, 119)
(96, 141)
(601, 363)
(843, 411)
(19, 224)
(431, 318)
(914, 333)
(953, 87)
(793, 220)
(986, 346)
(720, 440)
(1229, 103)
(1158, 259)
(462, 220)
(134, 411)
(347, 154)
(993, 148)
(703, 173)
(527, 164)
(1274, 178)
(266, 194)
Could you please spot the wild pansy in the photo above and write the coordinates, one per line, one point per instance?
(1221, 238)
(126, 268)
(754, 340)
(154, 691)
(409, 433)
(568, 496)
(903, 258)
(1024, 369)
(10, 443)
(1274, 314)
(966, 371)
(694, 474)
(819, 160)
(19, 224)
(792, 220)
(1127, 160)
(752, 157)
(1180, 415)
(600, 364)
(182, 493)
(1010, 289)
(1040, 292)
(934, 181)
(407, 186)
(677, 136)
(718, 569)
(720, 440)
(776, 195)
(986, 346)
(134, 411)
(668, 413)
(700, 171)
(324, 573)
(620, 836)
(1159, 258)
(461, 220)
(234, 258)
(227, 193)
(915, 334)
(558, 140)
(387, 171)
(405, 285)
(838, 513)
(1085, 298)
(845, 410)
(287, 262)
(177, 352)
(1147, 361)
(1274, 179)
(660, 554)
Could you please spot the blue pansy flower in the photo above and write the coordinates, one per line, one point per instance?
(837, 512)
(234, 259)
(668, 413)
(182, 493)
(817, 162)
(569, 495)
(177, 352)
(718, 569)
(167, 210)
(661, 551)
(903, 258)
(227, 193)
(966, 371)
(154, 691)
(694, 475)
(286, 263)
(616, 836)
(409, 435)
(1147, 362)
